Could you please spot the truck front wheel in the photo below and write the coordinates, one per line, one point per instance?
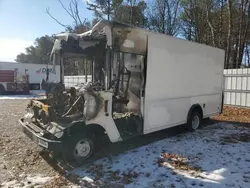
(78, 148)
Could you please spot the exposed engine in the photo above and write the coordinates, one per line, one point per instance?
(65, 106)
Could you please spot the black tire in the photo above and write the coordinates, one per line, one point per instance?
(70, 151)
(2, 90)
(191, 124)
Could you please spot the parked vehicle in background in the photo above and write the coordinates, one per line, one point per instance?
(142, 82)
(23, 77)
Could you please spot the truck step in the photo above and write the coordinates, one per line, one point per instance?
(35, 128)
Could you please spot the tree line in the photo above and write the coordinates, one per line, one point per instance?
(219, 23)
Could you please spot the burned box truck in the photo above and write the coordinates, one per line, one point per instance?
(142, 82)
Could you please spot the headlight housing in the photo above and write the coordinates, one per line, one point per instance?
(90, 107)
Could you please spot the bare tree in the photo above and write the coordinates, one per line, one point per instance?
(164, 16)
(229, 14)
(73, 11)
(132, 4)
(208, 10)
(132, 13)
(243, 28)
(104, 8)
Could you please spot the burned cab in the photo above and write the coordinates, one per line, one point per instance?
(71, 121)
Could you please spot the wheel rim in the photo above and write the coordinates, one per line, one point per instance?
(195, 122)
(82, 149)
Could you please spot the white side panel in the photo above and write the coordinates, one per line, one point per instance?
(180, 74)
(178, 68)
(212, 103)
(171, 112)
(161, 114)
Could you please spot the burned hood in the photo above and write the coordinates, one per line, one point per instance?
(118, 36)
(74, 43)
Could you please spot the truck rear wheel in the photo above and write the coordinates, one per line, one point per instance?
(78, 148)
(194, 121)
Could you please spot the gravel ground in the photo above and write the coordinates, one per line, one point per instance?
(19, 157)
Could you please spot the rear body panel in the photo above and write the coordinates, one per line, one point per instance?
(180, 74)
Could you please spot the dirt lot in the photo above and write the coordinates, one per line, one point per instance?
(20, 159)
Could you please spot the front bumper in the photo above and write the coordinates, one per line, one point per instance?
(34, 133)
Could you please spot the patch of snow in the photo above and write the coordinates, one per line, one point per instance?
(20, 97)
(29, 181)
(87, 179)
(34, 94)
(37, 92)
(221, 165)
(38, 179)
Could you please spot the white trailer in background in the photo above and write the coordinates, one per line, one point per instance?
(22, 77)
